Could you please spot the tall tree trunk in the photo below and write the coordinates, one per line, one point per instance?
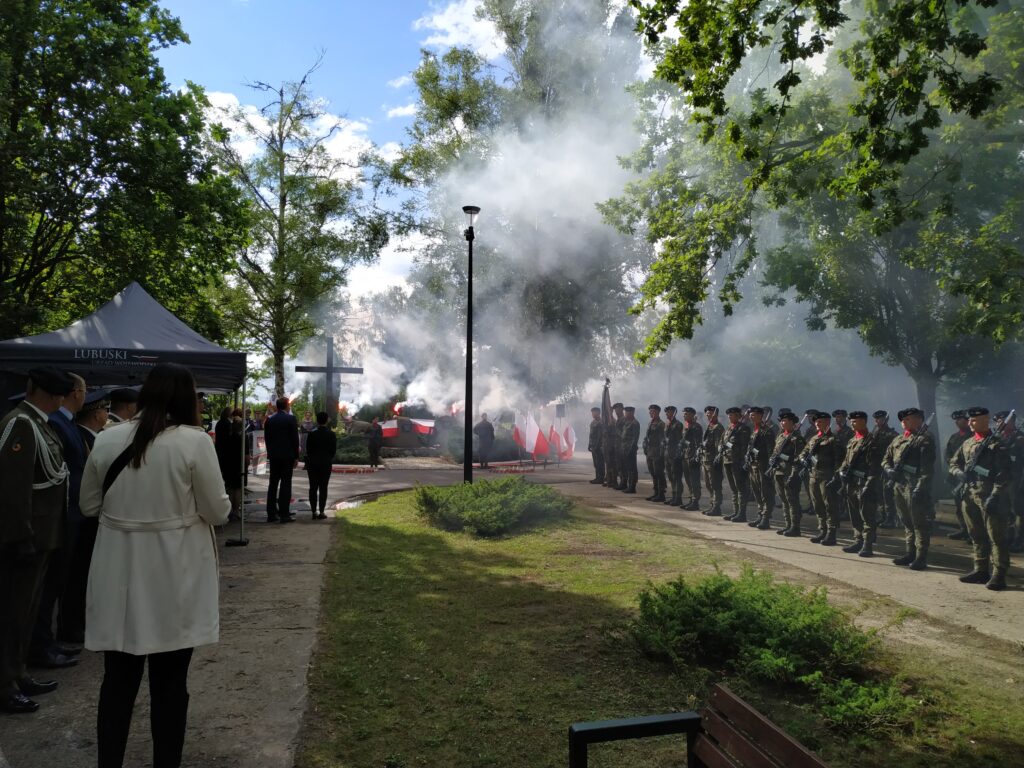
(927, 384)
(279, 371)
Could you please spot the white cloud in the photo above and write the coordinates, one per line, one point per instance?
(408, 110)
(390, 151)
(400, 82)
(456, 24)
(390, 270)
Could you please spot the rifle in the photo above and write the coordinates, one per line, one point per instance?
(775, 460)
(891, 474)
(969, 474)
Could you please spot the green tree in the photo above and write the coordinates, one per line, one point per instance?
(310, 219)
(103, 178)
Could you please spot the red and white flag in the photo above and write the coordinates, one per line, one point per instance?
(389, 428)
(555, 440)
(535, 443)
(422, 426)
(569, 445)
(519, 430)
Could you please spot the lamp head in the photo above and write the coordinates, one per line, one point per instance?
(471, 211)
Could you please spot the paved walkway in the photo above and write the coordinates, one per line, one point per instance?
(249, 691)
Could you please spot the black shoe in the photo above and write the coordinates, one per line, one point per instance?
(651, 497)
(782, 531)
(906, 559)
(856, 546)
(830, 539)
(975, 577)
(17, 703)
(271, 518)
(742, 518)
(66, 649)
(31, 687)
(819, 538)
(629, 490)
(920, 562)
(764, 523)
(659, 498)
(595, 481)
(321, 516)
(793, 532)
(998, 582)
(286, 519)
(754, 523)
(52, 660)
(714, 512)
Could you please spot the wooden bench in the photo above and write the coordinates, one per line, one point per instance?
(729, 733)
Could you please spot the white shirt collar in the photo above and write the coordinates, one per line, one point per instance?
(37, 409)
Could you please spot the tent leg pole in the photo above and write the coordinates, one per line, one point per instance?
(241, 541)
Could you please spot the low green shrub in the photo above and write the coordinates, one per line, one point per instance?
(490, 507)
(351, 450)
(769, 632)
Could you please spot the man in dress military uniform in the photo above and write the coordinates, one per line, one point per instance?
(674, 455)
(693, 436)
(782, 469)
(1006, 423)
(819, 461)
(630, 438)
(654, 452)
(908, 466)
(860, 483)
(952, 446)
(735, 442)
(594, 445)
(123, 405)
(612, 452)
(884, 434)
(981, 467)
(34, 481)
(711, 459)
(759, 451)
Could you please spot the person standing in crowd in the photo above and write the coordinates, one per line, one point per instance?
(375, 439)
(711, 451)
(654, 452)
(819, 461)
(281, 431)
(233, 462)
(952, 446)
(123, 405)
(759, 451)
(860, 484)
(221, 438)
(613, 450)
(908, 466)
(735, 441)
(1013, 438)
(34, 478)
(782, 466)
(629, 440)
(595, 445)
(321, 445)
(156, 488)
(484, 432)
(674, 455)
(884, 435)
(307, 425)
(693, 436)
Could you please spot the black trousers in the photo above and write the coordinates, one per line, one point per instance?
(484, 452)
(598, 456)
(318, 479)
(71, 617)
(168, 693)
(21, 586)
(279, 494)
(53, 589)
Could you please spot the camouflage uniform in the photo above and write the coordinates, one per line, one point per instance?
(844, 435)
(734, 451)
(783, 465)
(762, 487)
(629, 438)
(711, 445)
(693, 438)
(861, 487)
(821, 458)
(908, 465)
(674, 459)
(1014, 441)
(986, 502)
(595, 444)
(886, 506)
(952, 446)
(654, 452)
(612, 455)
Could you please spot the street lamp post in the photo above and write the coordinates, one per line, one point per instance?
(471, 212)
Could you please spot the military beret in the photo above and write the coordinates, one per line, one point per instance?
(858, 414)
(713, 408)
(977, 411)
(839, 412)
(616, 405)
(900, 414)
(595, 408)
(812, 412)
(733, 409)
(1001, 415)
(756, 409)
(98, 398)
(822, 415)
(630, 409)
(881, 414)
(957, 415)
(912, 412)
(52, 380)
(688, 409)
(783, 411)
(653, 407)
(670, 408)
(788, 416)
(124, 395)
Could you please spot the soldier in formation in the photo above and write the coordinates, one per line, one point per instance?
(693, 439)
(711, 460)
(674, 431)
(654, 452)
(595, 444)
(1006, 423)
(735, 442)
(884, 434)
(629, 438)
(952, 446)
(908, 467)
(759, 452)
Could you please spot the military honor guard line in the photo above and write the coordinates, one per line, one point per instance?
(846, 470)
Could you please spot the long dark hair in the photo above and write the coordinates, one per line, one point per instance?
(167, 399)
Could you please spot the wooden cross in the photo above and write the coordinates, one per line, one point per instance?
(331, 372)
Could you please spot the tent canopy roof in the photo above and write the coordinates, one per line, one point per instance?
(119, 342)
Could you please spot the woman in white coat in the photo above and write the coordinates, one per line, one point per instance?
(155, 485)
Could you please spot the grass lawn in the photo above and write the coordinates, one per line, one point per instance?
(442, 650)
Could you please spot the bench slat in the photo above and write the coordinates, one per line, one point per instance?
(736, 743)
(709, 755)
(762, 731)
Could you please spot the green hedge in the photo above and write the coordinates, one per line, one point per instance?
(490, 507)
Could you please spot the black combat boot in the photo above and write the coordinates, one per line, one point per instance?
(765, 522)
(794, 529)
(715, 511)
(979, 575)
(921, 561)
(856, 546)
(659, 497)
(998, 580)
(908, 558)
(741, 516)
(867, 550)
(756, 520)
(830, 538)
(822, 533)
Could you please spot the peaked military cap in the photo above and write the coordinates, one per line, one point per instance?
(858, 414)
(912, 412)
(688, 409)
(630, 409)
(654, 407)
(880, 414)
(670, 408)
(839, 412)
(733, 409)
(95, 400)
(957, 415)
(52, 380)
(977, 410)
(124, 395)
(757, 409)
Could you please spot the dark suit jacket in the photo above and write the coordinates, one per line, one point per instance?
(282, 435)
(75, 455)
(321, 445)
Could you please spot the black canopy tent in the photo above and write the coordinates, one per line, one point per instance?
(118, 344)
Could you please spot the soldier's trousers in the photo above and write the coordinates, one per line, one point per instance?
(630, 472)
(656, 468)
(612, 467)
(863, 514)
(989, 531)
(823, 501)
(763, 491)
(598, 456)
(916, 516)
(790, 495)
(739, 484)
(713, 482)
(674, 472)
(691, 473)
(21, 586)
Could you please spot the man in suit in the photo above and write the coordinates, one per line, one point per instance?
(281, 433)
(34, 481)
